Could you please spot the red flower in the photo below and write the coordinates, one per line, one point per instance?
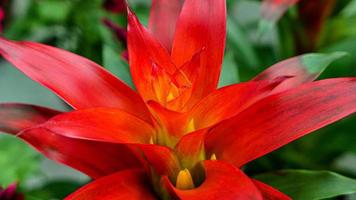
(10, 193)
(179, 137)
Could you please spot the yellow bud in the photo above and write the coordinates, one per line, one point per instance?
(151, 140)
(213, 157)
(184, 180)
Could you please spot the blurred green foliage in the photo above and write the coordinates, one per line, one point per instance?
(304, 184)
(15, 168)
(76, 25)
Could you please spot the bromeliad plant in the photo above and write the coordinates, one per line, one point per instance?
(179, 137)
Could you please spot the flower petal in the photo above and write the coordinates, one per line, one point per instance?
(282, 118)
(161, 158)
(202, 25)
(302, 69)
(97, 127)
(174, 123)
(269, 193)
(163, 19)
(84, 139)
(211, 109)
(223, 182)
(101, 124)
(124, 185)
(79, 81)
(15, 117)
(190, 149)
(93, 158)
(146, 55)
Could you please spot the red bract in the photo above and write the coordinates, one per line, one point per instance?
(179, 137)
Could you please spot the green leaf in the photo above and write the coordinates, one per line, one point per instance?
(17, 87)
(310, 185)
(17, 160)
(240, 44)
(317, 62)
(56, 11)
(350, 9)
(58, 189)
(229, 72)
(115, 64)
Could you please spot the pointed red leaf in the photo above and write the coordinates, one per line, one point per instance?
(124, 185)
(269, 193)
(201, 24)
(84, 139)
(282, 118)
(163, 19)
(222, 181)
(79, 81)
(93, 158)
(211, 109)
(146, 55)
(15, 117)
(302, 69)
(101, 124)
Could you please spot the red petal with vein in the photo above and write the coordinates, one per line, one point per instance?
(222, 181)
(101, 124)
(282, 118)
(202, 24)
(293, 67)
(145, 53)
(163, 19)
(15, 117)
(124, 185)
(269, 193)
(79, 81)
(211, 109)
(272, 10)
(93, 158)
(190, 149)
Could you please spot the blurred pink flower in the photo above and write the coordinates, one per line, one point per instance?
(115, 6)
(10, 193)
